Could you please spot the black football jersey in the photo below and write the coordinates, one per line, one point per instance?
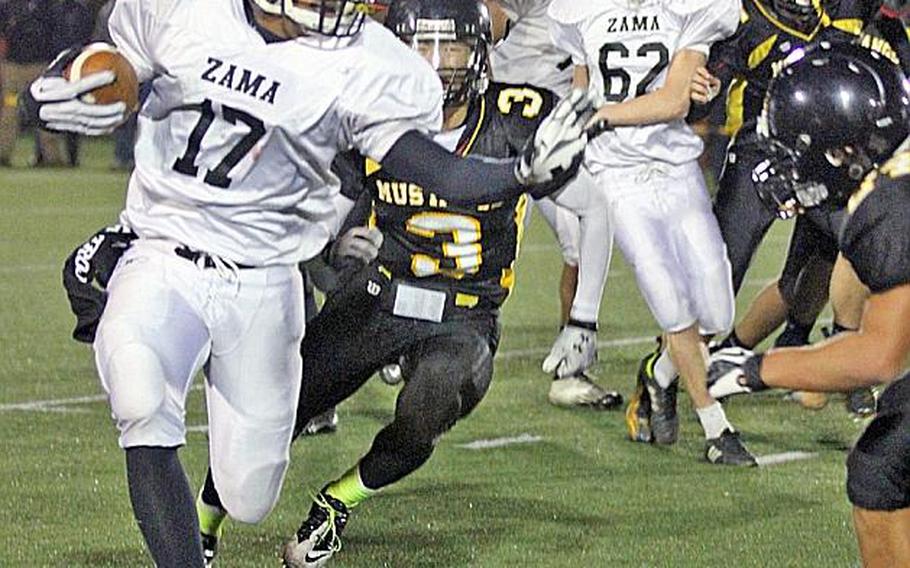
(876, 236)
(470, 249)
(746, 61)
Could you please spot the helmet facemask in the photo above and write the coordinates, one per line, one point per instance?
(801, 14)
(460, 61)
(333, 18)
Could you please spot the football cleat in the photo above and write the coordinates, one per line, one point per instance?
(861, 402)
(581, 391)
(728, 449)
(209, 548)
(638, 415)
(319, 537)
(664, 421)
(325, 423)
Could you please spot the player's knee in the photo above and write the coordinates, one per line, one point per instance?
(135, 380)
(714, 297)
(249, 494)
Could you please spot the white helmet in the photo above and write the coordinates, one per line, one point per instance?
(337, 18)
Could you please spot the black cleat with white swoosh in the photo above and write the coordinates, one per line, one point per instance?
(319, 536)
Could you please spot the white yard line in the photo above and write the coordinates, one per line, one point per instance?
(785, 457)
(487, 444)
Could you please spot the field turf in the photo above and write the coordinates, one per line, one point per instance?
(580, 496)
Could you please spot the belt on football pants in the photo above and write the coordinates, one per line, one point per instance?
(207, 261)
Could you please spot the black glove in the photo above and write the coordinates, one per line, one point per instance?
(86, 273)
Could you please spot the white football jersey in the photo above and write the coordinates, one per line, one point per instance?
(627, 46)
(528, 54)
(237, 136)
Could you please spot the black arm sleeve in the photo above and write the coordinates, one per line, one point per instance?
(417, 159)
(892, 30)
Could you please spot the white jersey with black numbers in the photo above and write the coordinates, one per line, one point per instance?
(627, 46)
(237, 134)
(528, 54)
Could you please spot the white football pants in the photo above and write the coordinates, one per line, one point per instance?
(165, 318)
(663, 223)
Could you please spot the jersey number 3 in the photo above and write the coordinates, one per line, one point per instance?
(218, 176)
(462, 254)
(625, 80)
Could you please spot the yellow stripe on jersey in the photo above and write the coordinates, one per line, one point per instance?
(761, 52)
(792, 31)
(372, 167)
(476, 133)
(507, 280)
(850, 25)
(735, 106)
(743, 15)
(463, 300)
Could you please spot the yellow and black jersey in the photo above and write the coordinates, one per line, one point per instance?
(746, 61)
(876, 235)
(469, 249)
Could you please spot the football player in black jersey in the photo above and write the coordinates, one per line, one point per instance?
(432, 297)
(770, 30)
(838, 113)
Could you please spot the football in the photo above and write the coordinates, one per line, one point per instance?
(98, 57)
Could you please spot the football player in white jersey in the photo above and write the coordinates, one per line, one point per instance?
(250, 101)
(640, 56)
(528, 55)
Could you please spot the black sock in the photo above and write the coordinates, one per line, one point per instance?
(209, 493)
(732, 340)
(795, 334)
(163, 506)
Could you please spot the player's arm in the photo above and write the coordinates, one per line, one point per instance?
(665, 104)
(874, 354)
(550, 158)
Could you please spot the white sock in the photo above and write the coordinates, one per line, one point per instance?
(713, 420)
(664, 369)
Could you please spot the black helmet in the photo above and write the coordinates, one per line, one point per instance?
(803, 15)
(839, 111)
(454, 35)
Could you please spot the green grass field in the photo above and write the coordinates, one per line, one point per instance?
(582, 496)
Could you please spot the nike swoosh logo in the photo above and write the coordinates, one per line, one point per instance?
(316, 555)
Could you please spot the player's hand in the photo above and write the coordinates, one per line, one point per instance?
(54, 103)
(553, 155)
(705, 86)
(727, 373)
(359, 245)
(573, 352)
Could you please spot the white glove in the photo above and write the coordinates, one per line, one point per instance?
(358, 245)
(60, 107)
(726, 373)
(573, 352)
(555, 152)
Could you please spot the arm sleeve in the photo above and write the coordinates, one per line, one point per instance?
(706, 22)
(133, 25)
(417, 159)
(893, 31)
(568, 38)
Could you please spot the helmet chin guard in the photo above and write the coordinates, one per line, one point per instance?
(332, 18)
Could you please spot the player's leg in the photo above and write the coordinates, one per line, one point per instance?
(706, 274)
(451, 373)
(848, 297)
(565, 226)
(327, 422)
(742, 217)
(150, 343)
(583, 221)
(252, 386)
(878, 481)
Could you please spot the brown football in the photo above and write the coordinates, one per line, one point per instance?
(104, 57)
